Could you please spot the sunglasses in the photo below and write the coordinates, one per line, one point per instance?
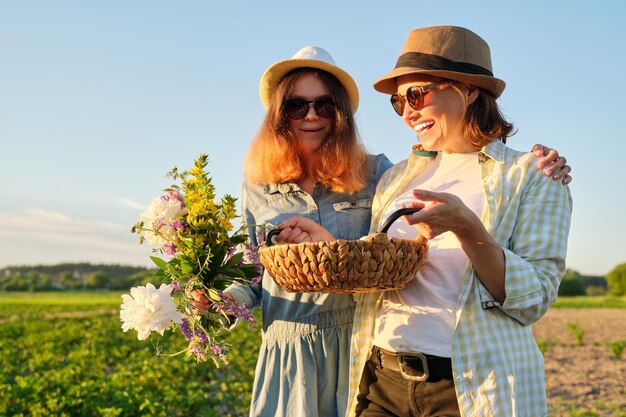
(297, 108)
(414, 95)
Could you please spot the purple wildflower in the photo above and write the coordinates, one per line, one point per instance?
(217, 350)
(198, 340)
(178, 197)
(174, 195)
(251, 256)
(197, 350)
(260, 237)
(175, 286)
(158, 223)
(170, 249)
(230, 307)
(178, 225)
(185, 329)
(201, 336)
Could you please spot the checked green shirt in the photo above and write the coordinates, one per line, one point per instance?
(497, 366)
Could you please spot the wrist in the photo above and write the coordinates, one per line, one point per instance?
(469, 228)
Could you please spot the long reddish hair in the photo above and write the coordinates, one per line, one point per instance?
(273, 157)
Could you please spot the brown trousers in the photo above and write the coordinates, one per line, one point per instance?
(384, 392)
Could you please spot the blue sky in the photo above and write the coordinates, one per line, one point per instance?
(98, 100)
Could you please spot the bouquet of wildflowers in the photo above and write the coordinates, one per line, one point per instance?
(196, 233)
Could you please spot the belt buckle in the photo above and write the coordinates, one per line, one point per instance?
(413, 355)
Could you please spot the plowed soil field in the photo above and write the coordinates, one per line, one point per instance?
(584, 380)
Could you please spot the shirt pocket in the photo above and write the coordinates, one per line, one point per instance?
(353, 217)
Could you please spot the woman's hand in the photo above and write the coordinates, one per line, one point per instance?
(199, 301)
(553, 164)
(301, 229)
(446, 212)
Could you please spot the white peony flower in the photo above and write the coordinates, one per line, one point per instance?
(160, 217)
(149, 309)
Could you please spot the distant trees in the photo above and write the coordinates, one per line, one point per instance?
(85, 276)
(571, 284)
(616, 280)
(96, 279)
(142, 278)
(76, 276)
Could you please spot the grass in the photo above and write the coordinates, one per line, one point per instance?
(578, 333)
(545, 345)
(617, 348)
(590, 302)
(114, 297)
(63, 298)
(64, 354)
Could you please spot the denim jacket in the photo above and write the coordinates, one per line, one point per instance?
(346, 216)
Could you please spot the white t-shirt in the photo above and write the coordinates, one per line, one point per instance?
(421, 317)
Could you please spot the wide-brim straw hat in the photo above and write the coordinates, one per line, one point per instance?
(450, 52)
(307, 57)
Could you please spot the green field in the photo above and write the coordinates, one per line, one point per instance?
(64, 354)
(590, 302)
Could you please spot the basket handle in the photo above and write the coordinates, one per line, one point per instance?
(396, 215)
(270, 235)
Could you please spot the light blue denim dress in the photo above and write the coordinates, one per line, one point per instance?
(303, 362)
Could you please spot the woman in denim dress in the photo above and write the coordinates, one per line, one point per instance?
(307, 161)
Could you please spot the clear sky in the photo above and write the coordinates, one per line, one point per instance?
(98, 100)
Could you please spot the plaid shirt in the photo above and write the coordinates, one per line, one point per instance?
(498, 369)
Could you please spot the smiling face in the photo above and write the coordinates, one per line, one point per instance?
(312, 130)
(439, 124)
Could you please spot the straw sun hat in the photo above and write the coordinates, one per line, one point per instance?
(311, 57)
(450, 52)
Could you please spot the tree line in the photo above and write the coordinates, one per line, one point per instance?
(613, 283)
(86, 276)
(75, 276)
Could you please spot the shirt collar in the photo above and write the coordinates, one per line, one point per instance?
(418, 150)
(494, 150)
(283, 188)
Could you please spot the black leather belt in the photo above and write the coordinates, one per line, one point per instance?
(413, 366)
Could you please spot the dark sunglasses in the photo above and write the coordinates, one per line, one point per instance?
(414, 95)
(297, 108)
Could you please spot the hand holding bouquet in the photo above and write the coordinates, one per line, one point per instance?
(195, 231)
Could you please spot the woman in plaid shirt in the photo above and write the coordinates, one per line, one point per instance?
(458, 339)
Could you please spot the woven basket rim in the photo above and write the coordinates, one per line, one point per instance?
(343, 265)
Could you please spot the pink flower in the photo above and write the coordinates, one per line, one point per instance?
(170, 249)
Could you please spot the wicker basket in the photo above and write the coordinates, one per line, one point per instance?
(373, 263)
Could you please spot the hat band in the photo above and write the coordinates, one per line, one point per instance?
(438, 63)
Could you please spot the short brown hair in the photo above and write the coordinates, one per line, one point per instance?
(485, 122)
(273, 156)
